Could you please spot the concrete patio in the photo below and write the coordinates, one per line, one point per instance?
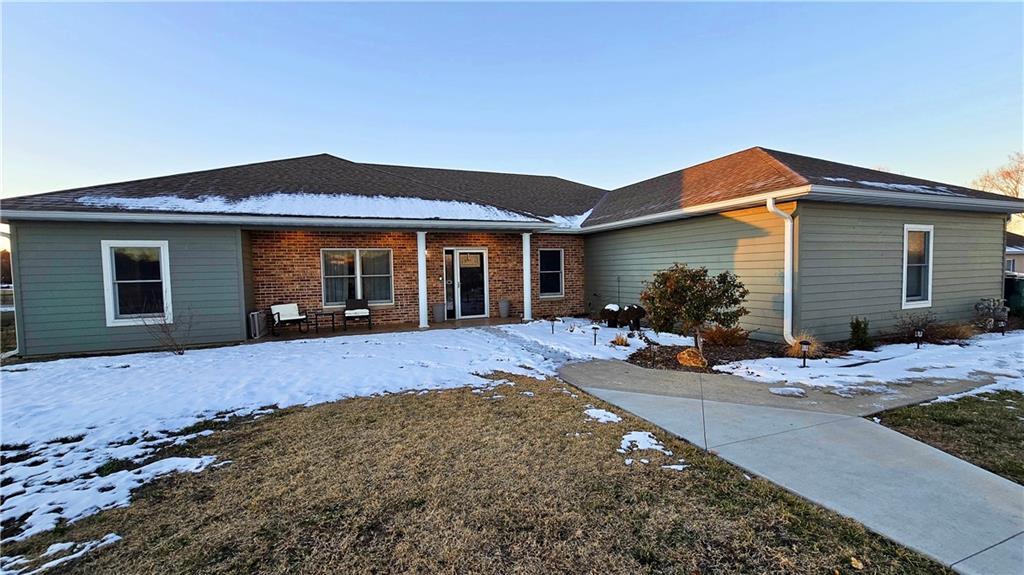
(820, 447)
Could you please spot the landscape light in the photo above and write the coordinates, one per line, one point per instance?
(596, 329)
(804, 347)
(918, 334)
(1002, 326)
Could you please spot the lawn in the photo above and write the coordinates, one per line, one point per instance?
(986, 430)
(507, 479)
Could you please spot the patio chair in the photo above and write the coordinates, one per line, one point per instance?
(356, 309)
(287, 314)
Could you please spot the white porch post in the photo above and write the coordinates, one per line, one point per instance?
(527, 280)
(421, 267)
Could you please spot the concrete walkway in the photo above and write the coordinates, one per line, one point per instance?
(928, 500)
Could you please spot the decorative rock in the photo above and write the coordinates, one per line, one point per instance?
(691, 357)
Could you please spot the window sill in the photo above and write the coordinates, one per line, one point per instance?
(126, 321)
(916, 304)
(552, 296)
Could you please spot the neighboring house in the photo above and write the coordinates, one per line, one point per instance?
(815, 241)
(1014, 254)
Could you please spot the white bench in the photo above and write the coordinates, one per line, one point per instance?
(286, 314)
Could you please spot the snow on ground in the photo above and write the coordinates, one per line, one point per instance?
(601, 415)
(305, 204)
(12, 564)
(641, 440)
(63, 419)
(980, 358)
(788, 391)
(574, 338)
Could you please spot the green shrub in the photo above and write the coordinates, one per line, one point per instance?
(860, 336)
(692, 298)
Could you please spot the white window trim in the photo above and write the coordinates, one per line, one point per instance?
(907, 228)
(108, 281)
(1011, 265)
(561, 274)
(358, 276)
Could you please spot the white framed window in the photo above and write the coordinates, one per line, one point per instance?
(917, 265)
(136, 281)
(350, 273)
(1011, 265)
(552, 275)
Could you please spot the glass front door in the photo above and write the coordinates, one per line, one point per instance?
(471, 283)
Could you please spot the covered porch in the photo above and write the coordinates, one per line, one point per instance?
(411, 279)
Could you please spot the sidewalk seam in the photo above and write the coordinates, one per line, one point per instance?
(997, 544)
(841, 419)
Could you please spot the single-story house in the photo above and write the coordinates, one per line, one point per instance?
(1014, 254)
(815, 241)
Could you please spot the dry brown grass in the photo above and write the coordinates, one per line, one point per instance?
(456, 482)
(815, 349)
(726, 336)
(943, 332)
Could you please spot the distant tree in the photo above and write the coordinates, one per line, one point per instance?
(5, 267)
(692, 298)
(1008, 180)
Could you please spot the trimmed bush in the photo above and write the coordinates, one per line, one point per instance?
(860, 334)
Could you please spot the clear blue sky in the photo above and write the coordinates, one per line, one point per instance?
(604, 94)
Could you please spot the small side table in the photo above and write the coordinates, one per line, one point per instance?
(319, 314)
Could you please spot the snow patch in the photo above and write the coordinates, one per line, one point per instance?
(569, 222)
(982, 357)
(640, 441)
(320, 205)
(788, 391)
(601, 415)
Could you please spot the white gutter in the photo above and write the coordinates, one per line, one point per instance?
(787, 264)
(255, 220)
(916, 199)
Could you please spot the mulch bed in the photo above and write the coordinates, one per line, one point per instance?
(664, 356)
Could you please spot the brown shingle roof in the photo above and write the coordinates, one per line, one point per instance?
(755, 171)
(745, 173)
(327, 174)
(539, 195)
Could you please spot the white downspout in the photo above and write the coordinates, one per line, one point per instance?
(787, 264)
(527, 280)
(421, 268)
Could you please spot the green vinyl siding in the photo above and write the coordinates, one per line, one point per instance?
(60, 285)
(850, 263)
(747, 242)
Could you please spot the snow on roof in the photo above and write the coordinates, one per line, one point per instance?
(920, 188)
(570, 222)
(306, 204)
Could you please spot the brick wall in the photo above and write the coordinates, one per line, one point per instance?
(286, 268)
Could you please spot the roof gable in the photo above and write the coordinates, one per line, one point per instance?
(737, 175)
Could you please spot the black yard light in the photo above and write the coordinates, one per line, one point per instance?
(918, 335)
(804, 347)
(596, 329)
(1001, 324)
(552, 320)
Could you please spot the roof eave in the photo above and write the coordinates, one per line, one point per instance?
(700, 210)
(275, 221)
(913, 199)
